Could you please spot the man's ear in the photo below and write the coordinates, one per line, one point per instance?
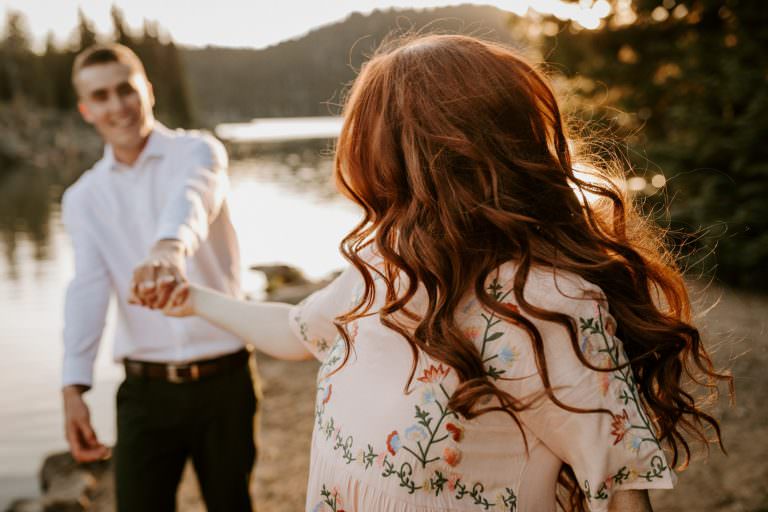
(151, 93)
(84, 112)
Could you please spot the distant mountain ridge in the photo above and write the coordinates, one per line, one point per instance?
(305, 76)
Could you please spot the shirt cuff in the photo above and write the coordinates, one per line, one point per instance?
(180, 232)
(77, 371)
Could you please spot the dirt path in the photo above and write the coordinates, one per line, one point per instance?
(736, 329)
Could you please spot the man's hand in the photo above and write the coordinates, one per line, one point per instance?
(155, 279)
(83, 443)
(180, 304)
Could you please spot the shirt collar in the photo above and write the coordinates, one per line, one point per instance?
(154, 149)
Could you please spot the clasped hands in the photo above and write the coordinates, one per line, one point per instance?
(160, 281)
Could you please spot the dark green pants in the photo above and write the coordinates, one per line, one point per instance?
(160, 425)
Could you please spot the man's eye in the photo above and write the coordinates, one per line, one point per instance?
(125, 90)
(99, 96)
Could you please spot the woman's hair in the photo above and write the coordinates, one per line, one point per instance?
(457, 152)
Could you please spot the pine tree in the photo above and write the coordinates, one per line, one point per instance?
(690, 76)
(86, 32)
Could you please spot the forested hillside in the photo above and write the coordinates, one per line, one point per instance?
(305, 76)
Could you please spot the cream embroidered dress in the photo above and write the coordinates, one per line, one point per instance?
(377, 449)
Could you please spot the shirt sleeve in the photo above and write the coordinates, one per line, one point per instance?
(311, 320)
(608, 452)
(197, 200)
(87, 298)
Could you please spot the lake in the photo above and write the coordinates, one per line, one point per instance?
(284, 209)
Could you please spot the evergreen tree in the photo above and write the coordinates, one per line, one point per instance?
(15, 57)
(121, 33)
(690, 76)
(86, 32)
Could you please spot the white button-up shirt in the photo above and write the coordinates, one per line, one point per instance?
(115, 214)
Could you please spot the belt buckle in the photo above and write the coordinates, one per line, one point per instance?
(172, 373)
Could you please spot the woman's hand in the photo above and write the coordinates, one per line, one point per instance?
(180, 303)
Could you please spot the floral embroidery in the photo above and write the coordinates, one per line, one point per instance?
(451, 456)
(430, 429)
(457, 432)
(393, 442)
(332, 498)
(620, 425)
(600, 347)
(596, 327)
(489, 336)
(434, 375)
(416, 433)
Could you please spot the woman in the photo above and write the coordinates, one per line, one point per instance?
(508, 335)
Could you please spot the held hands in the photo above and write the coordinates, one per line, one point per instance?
(155, 279)
(160, 282)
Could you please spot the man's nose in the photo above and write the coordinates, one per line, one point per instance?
(117, 103)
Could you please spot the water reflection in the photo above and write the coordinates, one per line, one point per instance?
(30, 196)
(25, 209)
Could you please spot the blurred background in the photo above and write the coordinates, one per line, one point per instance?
(674, 89)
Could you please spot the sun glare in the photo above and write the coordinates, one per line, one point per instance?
(588, 14)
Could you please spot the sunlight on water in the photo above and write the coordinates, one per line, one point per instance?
(281, 129)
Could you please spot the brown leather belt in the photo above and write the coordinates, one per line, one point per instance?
(186, 372)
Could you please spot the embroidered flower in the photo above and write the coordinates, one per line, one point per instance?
(428, 395)
(434, 374)
(456, 431)
(416, 433)
(453, 479)
(336, 494)
(472, 332)
(452, 456)
(633, 443)
(508, 355)
(620, 425)
(426, 485)
(380, 459)
(610, 325)
(327, 394)
(393, 442)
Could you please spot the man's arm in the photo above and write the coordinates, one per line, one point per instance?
(85, 310)
(184, 222)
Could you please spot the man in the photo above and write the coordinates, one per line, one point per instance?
(151, 212)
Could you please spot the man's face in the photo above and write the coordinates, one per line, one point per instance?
(117, 102)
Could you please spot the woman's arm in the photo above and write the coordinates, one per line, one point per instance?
(263, 324)
(631, 500)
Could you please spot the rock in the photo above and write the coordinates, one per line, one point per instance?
(279, 275)
(288, 284)
(25, 505)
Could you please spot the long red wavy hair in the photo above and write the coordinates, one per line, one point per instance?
(458, 154)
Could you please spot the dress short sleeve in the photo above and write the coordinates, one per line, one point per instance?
(312, 319)
(608, 452)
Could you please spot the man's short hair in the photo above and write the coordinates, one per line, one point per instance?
(105, 53)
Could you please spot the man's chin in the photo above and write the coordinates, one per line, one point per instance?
(126, 141)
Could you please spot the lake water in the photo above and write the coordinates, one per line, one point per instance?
(284, 209)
